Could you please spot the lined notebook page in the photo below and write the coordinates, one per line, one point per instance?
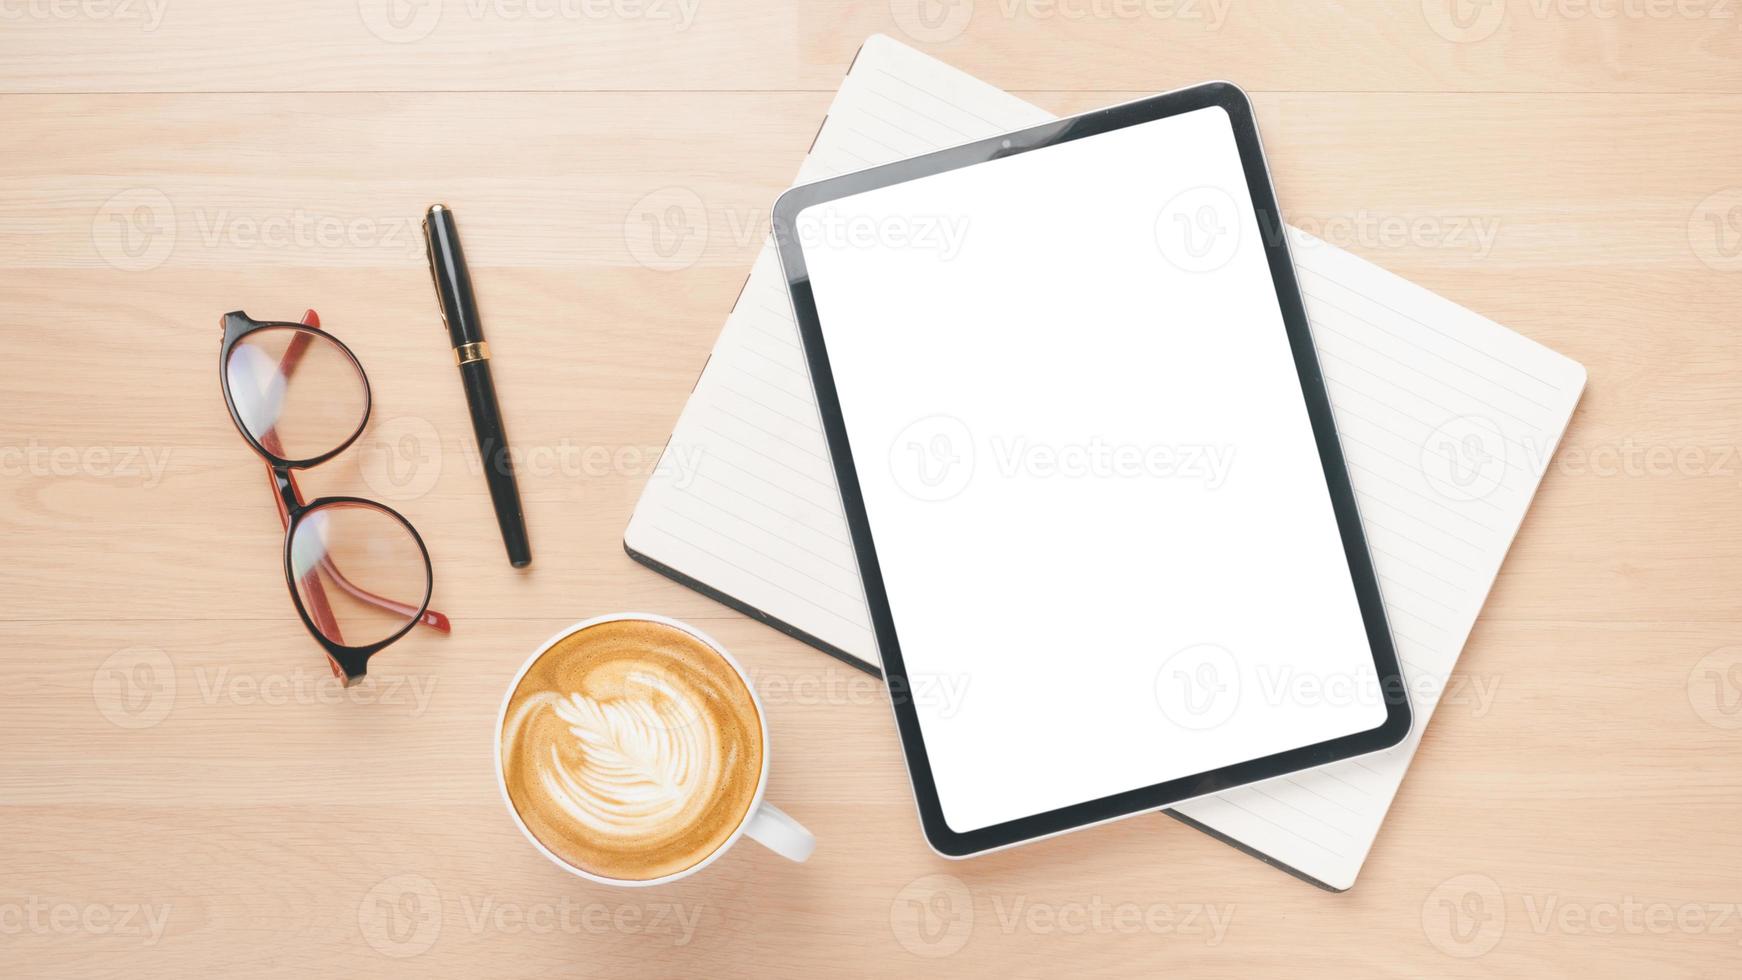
(1447, 420)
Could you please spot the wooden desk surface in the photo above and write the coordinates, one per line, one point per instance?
(183, 792)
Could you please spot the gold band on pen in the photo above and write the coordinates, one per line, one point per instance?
(467, 353)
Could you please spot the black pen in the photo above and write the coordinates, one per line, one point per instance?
(453, 286)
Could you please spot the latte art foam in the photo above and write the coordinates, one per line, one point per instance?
(641, 762)
(631, 750)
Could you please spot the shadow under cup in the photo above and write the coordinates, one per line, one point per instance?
(631, 750)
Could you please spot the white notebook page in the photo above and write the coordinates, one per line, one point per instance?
(1447, 421)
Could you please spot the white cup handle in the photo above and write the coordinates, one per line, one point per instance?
(773, 829)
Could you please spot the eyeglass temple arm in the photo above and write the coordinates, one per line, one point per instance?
(287, 364)
(319, 609)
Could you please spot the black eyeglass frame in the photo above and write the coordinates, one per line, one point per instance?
(349, 662)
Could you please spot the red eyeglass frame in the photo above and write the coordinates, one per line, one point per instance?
(347, 662)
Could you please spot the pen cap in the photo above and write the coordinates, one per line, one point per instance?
(453, 285)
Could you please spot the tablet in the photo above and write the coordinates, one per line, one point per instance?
(1109, 547)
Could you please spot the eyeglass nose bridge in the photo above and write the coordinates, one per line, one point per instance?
(288, 493)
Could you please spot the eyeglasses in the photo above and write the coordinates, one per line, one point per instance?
(299, 397)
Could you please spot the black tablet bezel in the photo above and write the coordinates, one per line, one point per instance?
(942, 837)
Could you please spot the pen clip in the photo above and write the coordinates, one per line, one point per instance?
(429, 254)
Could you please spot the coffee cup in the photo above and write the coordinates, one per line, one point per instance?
(631, 749)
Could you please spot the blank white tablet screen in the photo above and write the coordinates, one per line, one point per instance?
(1095, 496)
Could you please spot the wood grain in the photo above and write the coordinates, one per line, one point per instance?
(184, 793)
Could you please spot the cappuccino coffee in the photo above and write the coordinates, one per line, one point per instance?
(631, 750)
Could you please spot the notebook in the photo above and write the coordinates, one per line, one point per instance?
(1448, 421)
